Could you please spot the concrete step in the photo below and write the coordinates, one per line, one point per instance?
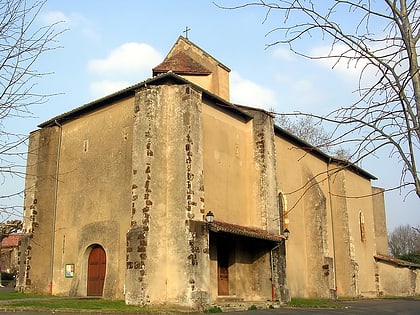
(232, 305)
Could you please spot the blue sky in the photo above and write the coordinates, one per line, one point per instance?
(112, 44)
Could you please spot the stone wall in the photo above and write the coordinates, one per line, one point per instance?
(166, 256)
(39, 212)
(397, 281)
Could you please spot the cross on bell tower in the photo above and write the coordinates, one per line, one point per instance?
(186, 31)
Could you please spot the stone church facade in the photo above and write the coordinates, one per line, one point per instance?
(118, 191)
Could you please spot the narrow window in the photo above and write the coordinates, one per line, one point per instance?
(283, 218)
(362, 227)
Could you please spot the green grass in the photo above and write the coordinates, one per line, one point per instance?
(17, 295)
(214, 309)
(314, 303)
(54, 304)
(47, 302)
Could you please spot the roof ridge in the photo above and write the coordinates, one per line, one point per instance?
(198, 47)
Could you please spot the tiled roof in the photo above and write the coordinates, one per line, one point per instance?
(129, 92)
(186, 40)
(11, 241)
(342, 163)
(218, 226)
(396, 261)
(181, 63)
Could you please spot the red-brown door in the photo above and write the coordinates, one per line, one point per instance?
(222, 269)
(96, 271)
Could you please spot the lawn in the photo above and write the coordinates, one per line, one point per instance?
(16, 300)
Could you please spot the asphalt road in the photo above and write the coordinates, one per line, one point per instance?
(361, 307)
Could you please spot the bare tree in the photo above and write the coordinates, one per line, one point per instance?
(22, 42)
(381, 38)
(306, 128)
(311, 131)
(404, 243)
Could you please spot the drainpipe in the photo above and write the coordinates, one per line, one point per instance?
(332, 227)
(55, 206)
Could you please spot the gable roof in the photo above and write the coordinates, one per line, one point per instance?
(239, 111)
(188, 42)
(130, 91)
(344, 164)
(181, 63)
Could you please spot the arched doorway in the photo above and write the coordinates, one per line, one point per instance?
(96, 271)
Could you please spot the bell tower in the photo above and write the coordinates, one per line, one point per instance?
(194, 64)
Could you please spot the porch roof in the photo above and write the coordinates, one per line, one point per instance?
(397, 262)
(218, 226)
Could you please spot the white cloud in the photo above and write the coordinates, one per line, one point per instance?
(284, 54)
(249, 93)
(128, 59)
(127, 64)
(347, 68)
(52, 17)
(303, 93)
(75, 22)
(105, 87)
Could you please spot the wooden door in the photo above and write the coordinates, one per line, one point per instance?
(222, 268)
(96, 271)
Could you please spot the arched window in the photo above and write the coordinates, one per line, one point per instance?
(362, 227)
(283, 219)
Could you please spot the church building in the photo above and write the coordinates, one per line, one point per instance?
(167, 193)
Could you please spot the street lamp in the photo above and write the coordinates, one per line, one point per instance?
(286, 233)
(209, 217)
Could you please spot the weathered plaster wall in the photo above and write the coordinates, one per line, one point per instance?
(325, 214)
(229, 168)
(289, 179)
(379, 216)
(39, 205)
(249, 268)
(345, 269)
(252, 272)
(396, 281)
(316, 235)
(302, 180)
(241, 187)
(362, 232)
(167, 191)
(94, 190)
(265, 166)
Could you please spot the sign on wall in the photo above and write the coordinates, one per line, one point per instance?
(69, 271)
